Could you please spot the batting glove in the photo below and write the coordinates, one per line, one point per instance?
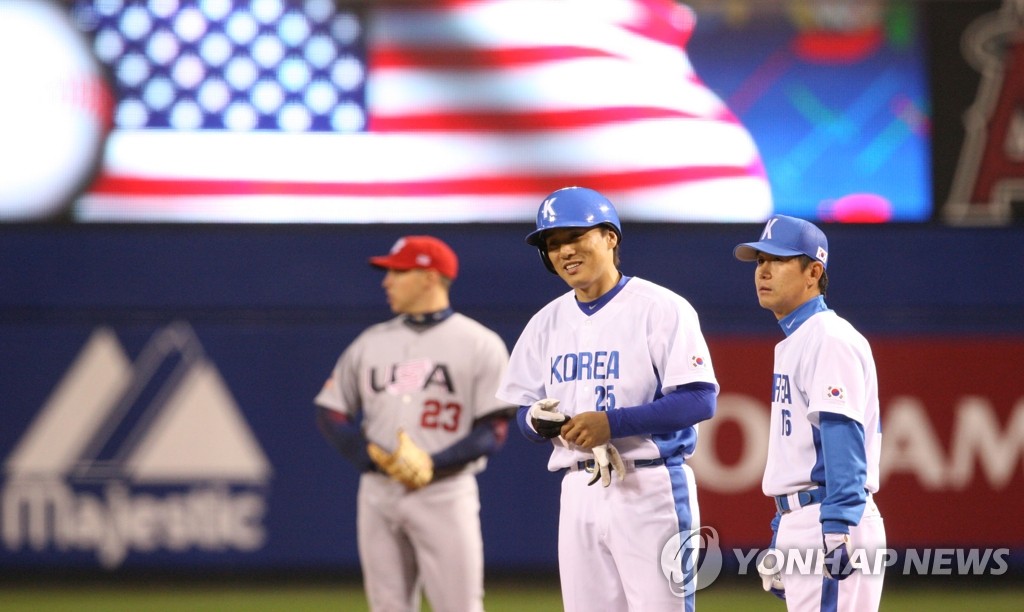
(837, 555)
(545, 420)
(606, 459)
(770, 569)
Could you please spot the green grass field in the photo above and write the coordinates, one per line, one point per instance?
(501, 597)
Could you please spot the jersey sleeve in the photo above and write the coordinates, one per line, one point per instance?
(838, 382)
(523, 382)
(341, 391)
(678, 348)
(491, 361)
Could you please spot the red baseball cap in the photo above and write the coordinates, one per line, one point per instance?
(423, 252)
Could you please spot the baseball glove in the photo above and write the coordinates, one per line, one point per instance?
(606, 459)
(409, 464)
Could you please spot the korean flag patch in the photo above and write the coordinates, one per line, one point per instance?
(835, 393)
(697, 362)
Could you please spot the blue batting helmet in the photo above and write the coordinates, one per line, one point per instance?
(572, 207)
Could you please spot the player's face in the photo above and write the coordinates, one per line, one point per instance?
(584, 258)
(783, 284)
(406, 290)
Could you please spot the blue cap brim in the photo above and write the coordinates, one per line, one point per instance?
(748, 251)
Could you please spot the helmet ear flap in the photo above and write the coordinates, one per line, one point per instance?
(542, 250)
(545, 259)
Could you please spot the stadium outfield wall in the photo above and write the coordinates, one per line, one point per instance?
(157, 386)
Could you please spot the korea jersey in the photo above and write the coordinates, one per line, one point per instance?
(639, 345)
(823, 365)
(432, 382)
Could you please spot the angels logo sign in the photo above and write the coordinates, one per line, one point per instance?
(137, 457)
(989, 178)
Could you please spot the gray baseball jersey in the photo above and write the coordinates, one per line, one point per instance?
(433, 382)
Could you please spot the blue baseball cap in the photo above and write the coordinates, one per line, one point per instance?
(786, 237)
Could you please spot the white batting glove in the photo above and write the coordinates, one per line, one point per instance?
(545, 420)
(606, 459)
(838, 550)
(770, 569)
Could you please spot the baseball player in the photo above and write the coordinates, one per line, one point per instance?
(411, 403)
(826, 436)
(616, 374)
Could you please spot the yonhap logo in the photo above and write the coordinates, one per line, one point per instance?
(691, 560)
(144, 456)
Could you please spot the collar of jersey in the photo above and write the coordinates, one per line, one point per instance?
(792, 322)
(589, 308)
(422, 321)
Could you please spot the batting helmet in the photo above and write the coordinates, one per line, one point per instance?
(572, 207)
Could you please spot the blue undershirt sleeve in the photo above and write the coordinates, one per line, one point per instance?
(524, 427)
(686, 406)
(775, 527)
(487, 436)
(346, 435)
(842, 444)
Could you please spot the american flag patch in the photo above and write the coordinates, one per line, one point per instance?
(410, 376)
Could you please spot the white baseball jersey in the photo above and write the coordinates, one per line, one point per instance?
(642, 344)
(432, 382)
(634, 347)
(824, 366)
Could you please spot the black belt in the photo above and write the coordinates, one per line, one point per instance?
(589, 464)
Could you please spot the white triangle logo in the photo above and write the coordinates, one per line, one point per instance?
(75, 410)
(195, 432)
(199, 432)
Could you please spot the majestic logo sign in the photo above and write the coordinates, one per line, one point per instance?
(144, 456)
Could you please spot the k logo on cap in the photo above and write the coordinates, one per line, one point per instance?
(786, 237)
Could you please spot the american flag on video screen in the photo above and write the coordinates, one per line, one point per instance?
(439, 110)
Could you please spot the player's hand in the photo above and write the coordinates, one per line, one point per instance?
(607, 459)
(837, 555)
(770, 569)
(588, 429)
(545, 420)
(409, 464)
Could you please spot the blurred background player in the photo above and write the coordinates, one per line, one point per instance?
(411, 403)
(616, 373)
(826, 438)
